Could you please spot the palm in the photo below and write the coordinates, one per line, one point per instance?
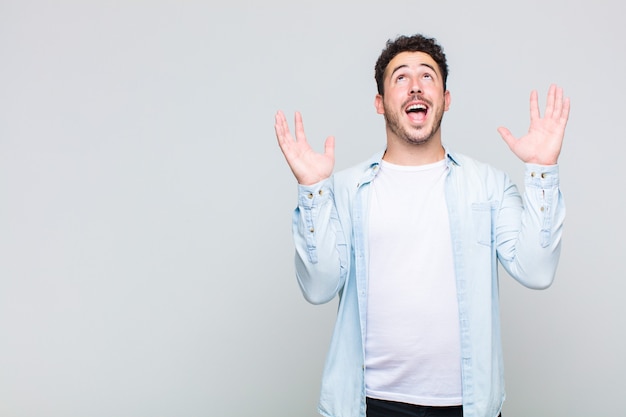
(542, 144)
(307, 165)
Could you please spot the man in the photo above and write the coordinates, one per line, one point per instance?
(409, 241)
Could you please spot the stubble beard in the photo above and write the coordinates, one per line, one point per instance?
(415, 136)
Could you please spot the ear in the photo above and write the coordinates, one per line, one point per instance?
(447, 98)
(378, 103)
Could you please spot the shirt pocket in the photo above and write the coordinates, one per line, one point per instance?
(483, 215)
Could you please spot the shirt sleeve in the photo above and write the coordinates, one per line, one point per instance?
(529, 230)
(321, 249)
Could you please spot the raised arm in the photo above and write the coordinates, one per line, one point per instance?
(308, 166)
(542, 144)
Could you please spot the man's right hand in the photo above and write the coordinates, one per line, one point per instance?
(308, 166)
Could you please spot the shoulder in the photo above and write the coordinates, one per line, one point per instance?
(358, 173)
(471, 176)
(471, 166)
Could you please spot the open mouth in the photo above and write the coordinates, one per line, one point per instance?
(417, 112)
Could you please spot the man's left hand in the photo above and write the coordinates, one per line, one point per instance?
(542, 144)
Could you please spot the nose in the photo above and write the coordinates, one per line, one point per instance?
(415, 88)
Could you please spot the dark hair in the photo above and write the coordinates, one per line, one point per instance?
(415, 43)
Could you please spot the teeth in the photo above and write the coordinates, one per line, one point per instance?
(417, 107)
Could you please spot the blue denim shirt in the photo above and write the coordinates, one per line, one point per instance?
(489, 220)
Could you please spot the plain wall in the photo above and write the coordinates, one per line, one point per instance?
(146, 260)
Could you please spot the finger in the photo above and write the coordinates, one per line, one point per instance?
(281, 127)
(283, 135)
(550, 101)
(277, 125)
(279, 121)
(534, 106)
(565, 112)
(299, 128)
(507, 136)
(329, 147)
(558, 103)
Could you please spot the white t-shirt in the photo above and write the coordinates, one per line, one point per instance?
(412, 348)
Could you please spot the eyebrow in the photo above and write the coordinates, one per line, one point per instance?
(406, 66)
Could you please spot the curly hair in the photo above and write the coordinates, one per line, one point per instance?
(414, 43)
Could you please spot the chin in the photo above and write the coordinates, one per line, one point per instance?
(420, 139)
(417, 140)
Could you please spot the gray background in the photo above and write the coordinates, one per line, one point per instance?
(145, 207)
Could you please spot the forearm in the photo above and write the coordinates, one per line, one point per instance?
(531, 253)
(321, 249)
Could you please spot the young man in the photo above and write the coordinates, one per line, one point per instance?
(410, 239)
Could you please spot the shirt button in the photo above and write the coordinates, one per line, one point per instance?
(532, 174)
(320, 192)
(542, 208)
(543, 175)
(312, 229)
(310, 195)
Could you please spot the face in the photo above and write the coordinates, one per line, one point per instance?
(414, 99)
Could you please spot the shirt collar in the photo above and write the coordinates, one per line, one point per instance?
(375, 160)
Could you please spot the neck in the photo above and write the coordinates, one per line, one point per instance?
(414, 154)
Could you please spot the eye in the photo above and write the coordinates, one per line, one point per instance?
(428, 76)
